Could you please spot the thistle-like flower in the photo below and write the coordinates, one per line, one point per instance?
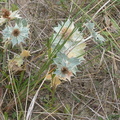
(8, 15)
(16, 34)
(67, 31)
(66, 67)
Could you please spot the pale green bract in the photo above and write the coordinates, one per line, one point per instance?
(63, 61)
(98, 38)
(8, 34)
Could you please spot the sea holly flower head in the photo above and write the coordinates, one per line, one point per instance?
(67, 31)
(16, 34)
(66, 67)
(8, 15)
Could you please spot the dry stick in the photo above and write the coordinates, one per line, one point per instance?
(30, 109)
(9, 51)
(87, 106)
(72, 47)
(90, 10)
(27, 95)
(97, 95)
(71, 5)
(49, 114)
(63, 104)
(33, 64)
(117, 57)
(99, 108)
(15, 100)
(72, 114)
(102, 57)
(100, 9)
(112, 57)
(65, 114)
(1, 102)
(42, 31)
(111, 79)
(89, 97)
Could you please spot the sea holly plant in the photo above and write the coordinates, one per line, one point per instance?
(16, 31)
(16, 35)
(69, 45)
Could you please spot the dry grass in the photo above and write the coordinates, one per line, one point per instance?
(94, 94)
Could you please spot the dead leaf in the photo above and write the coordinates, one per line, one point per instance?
(25, 53)
(48, 77)
(55, 82)
(15, 63)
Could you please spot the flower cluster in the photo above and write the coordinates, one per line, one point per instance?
(69, 45)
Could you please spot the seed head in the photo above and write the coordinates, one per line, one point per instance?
(6, 13)
(16, 32)
(65, 70)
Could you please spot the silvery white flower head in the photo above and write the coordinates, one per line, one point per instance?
(9, 15)
(68, 31)
(66, 67)
(16, 34)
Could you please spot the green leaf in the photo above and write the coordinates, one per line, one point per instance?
(101, 38)
(90, 26)
(22, 22)
(97, 37)
(14, 7)
(3, 0)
